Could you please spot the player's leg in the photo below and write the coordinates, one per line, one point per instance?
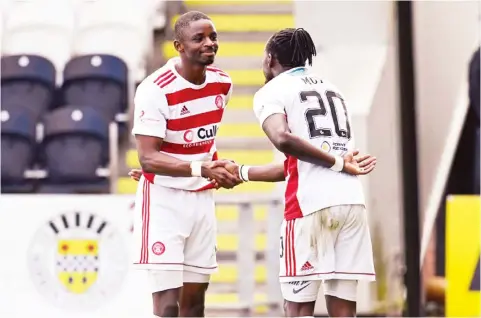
(159, 235)
(340, 297)
(300, 297)
(299, 266)
(200, 255)
(354, 260)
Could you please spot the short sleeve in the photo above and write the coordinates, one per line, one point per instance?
(150, 111)
(267, 103)
(229, 94)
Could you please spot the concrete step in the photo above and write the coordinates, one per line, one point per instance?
(247, 7)
(229, 272)
(234, 116)
(247, 36)
(251, 143)
(249, 22)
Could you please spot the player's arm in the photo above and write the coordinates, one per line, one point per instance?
(273, 172)
(150, 125)
(270, 111)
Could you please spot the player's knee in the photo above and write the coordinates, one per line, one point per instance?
(166, 303)
(193, 299)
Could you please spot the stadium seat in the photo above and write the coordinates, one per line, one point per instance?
(98, 81)
(18, 150)
(28, 82)
(126, 34)
(75, 145)
(42, 28)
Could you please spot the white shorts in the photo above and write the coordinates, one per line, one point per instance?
(174, 230)
(307, 291)
(330, 244)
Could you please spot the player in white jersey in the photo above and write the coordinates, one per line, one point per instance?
(178, 110)
(325, 235)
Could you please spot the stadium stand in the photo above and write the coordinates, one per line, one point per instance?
(74, 146)
(98, 81)
(18, 149)
(28, 82)
(42, 28)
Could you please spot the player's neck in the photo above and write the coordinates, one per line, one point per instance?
(194, 74)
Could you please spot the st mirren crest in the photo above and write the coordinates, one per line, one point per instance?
(77, 260)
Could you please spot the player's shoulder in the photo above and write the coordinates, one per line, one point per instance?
(218, 75)
(277, 88)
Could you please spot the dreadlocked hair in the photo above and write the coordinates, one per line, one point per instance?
(292, 47)
(184, 20)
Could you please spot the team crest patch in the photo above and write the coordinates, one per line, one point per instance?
(219, 101)
(77, 260)
(158, 248)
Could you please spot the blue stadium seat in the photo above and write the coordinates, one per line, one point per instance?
(98, 81)
(18, 150)
(28, 82)
(75, 144)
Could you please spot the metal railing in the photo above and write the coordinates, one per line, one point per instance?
(246, 252)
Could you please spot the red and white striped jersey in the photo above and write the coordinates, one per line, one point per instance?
(316, 111)
(185, 115)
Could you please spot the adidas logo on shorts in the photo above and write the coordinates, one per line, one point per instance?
(307, 266)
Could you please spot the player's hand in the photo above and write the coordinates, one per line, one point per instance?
(217, 172)
(354, 167)
(366, 161)
(135, 174)
(231, 166)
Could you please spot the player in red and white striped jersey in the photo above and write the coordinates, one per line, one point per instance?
(178, 110)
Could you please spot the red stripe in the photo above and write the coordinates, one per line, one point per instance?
(292, 207)
(144, 201)
(149, 176)
(164, 84)
(187, 149)
(195, 121)
(218, 71)
(286, 256)
(293, 249)
(147, 213)
(162, 75)
(189, 94)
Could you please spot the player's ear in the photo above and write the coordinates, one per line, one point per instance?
(179, 47)
(270, 60)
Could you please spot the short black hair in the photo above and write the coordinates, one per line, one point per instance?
(292, 47)
(184, 21)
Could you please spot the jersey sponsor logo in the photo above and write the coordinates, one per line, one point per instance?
(202, 133)
(326, 146)
(77, 260)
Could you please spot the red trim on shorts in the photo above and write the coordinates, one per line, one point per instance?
(332, 272)
(292, 207)
(144, 251)
(188, 94)
(149, 176)
(183, 264)
(290, 257)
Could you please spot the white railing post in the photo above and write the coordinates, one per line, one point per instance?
(246, 257)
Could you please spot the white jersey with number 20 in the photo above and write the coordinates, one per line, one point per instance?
(316, 111)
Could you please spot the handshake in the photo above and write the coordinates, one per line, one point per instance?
(222, 173)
